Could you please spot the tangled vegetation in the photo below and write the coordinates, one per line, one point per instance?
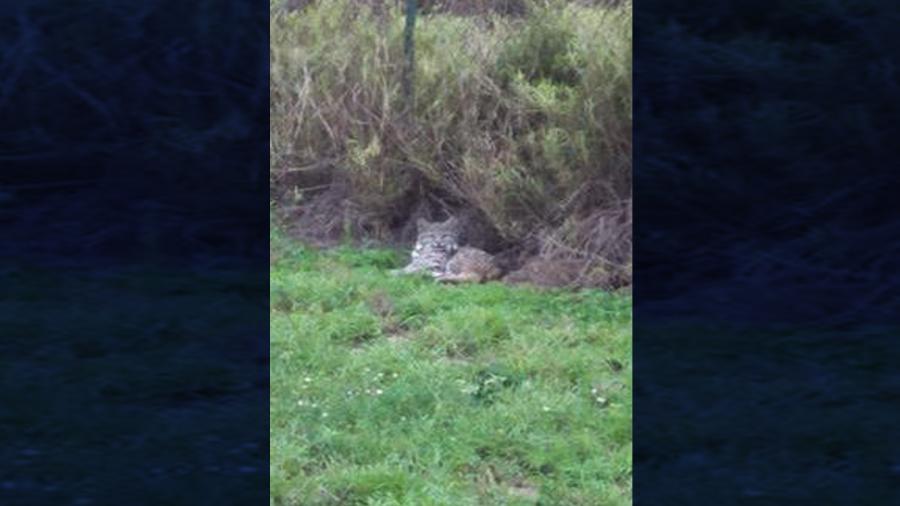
(522, 123)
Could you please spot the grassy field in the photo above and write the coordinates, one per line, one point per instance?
(399, 391)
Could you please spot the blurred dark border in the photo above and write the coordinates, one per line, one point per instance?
(134, 218)
(767, 258)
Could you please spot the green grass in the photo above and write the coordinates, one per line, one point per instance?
(399, 391)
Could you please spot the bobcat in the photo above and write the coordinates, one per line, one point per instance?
(437, 252)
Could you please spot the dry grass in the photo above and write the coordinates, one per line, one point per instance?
(522, 121)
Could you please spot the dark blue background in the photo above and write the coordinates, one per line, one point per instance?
(767, 252)
(134, 215)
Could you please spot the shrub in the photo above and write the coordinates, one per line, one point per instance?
(523, 120)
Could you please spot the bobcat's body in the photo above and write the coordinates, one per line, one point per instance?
(470, 265)
(438, 253)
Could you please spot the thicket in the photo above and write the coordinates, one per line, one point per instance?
(520, 123)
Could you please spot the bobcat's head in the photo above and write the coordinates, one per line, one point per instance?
(440, 237)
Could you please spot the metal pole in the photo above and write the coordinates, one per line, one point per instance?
(409, 52)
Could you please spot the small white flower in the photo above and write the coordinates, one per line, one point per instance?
(546, 408)
(324, 415)
(307, 379)
(301, 402)
(379, 391)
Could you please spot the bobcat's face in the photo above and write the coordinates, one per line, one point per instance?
(435, 245)
(437, 238)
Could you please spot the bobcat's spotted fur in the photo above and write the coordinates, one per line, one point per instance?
(438, 253)
(470, 265)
